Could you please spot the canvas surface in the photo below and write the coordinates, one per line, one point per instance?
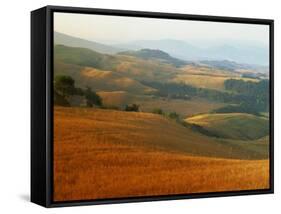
(151, 107)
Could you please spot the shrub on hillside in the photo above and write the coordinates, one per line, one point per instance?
(64, 90)
(158, 111)
(60, 100)
(173, 115)
(64, 85)
(133, 107)
(92, 98)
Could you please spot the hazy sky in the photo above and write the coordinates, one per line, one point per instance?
(125, 29)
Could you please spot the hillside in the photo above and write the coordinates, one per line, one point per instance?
(212, 81)
(150, 54)
(117, 99)
(101, 80)
(148, 103)
(207, 76)
(136, 75)
(83, 57)
(64, 39)
(143, 65)
(150, 131)
(129, 66)
(123, 149)
(232, 125)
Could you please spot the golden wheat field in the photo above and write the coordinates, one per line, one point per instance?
(101, 154)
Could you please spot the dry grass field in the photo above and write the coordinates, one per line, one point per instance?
(206, 77)
(148, 103)
(210, 81)
(104, 80)
(116, 98)
(202, 81)
(183, 107)
(108, 154)
(205, 70)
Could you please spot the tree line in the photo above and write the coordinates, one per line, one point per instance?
(242, 96)
(256, 93)
(64, 88)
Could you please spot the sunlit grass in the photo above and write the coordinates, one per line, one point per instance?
(108, 154)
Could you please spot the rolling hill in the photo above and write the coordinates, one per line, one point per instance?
(101, 80)
(117, 99)
(145, 65)
(84, 57)
(133, 153)
(150, 54)
(238, 126)
(211, 81)
(148, 103)
(152, 131)
(70, 59)
(64, 39)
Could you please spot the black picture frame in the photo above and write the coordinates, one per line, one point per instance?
(42, 103)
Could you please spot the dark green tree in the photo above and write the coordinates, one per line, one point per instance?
(60, 100)
(174, 116)
(64, 85)
(158, 111)
(133, 107)
(92, 98)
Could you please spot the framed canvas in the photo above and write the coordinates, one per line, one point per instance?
(131, 106)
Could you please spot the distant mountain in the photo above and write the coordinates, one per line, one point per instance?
(241, 52)
(249, 54)
(64, 39)
(154, 54)
(175, 48)
(233, 51)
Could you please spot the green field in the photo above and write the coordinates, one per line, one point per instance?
(233, 125)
